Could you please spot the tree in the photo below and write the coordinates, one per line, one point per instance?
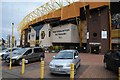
(3, 41)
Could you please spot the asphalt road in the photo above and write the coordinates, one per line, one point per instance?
(91, 67)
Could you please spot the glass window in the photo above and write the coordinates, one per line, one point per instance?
(118, 54)
(28, 52)
(64, 55)
(37, 50)
(95, 34)
(42, 35)
(114, 54)
(29, 36)
(49, 33)
(19, 51)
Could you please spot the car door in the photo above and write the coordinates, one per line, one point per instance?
(114, 58)
(36, 54)
(107, 58)
(27, 55)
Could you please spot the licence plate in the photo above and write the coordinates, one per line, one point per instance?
(58, 69)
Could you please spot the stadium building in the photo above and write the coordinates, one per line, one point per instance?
(92, 27)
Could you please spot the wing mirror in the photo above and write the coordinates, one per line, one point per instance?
(53, 57)
(76, 57)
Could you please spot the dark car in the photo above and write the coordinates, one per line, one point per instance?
(30, 55)
(112, 60)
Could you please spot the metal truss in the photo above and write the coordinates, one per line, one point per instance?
(45, 9)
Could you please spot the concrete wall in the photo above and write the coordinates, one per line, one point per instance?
(84, 32)
(67, 33)
(46, 41)
(32, 37)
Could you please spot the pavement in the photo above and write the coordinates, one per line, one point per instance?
(0, 69)
(91, 68)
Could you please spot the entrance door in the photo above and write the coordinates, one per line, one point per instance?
(95, 49)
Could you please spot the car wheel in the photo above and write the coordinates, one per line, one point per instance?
(20, 62)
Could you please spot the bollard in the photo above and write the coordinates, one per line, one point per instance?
(118, 73)
(10, 65)
(23, 66)
(72, 71)
(42, 70)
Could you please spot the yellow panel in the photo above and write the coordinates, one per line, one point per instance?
(70, 11)
(57, 13)
(50, 15)
(97, 4)
(115, 33)
(39, 19)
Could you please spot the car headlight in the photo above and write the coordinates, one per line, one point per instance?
(51, 65)
(68, 65)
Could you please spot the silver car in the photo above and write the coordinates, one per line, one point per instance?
(61, 62)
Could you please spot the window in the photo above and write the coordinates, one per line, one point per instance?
(42, 35)
(49, 33)
(114, 54)
(95, 34)
(37, 34)
(29, 36)
(28, 52)
(64, 55)
(37, 50)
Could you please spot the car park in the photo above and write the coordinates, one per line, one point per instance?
(62, 61)
(29, 54)
(112, 60)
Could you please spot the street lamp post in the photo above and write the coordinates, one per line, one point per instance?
(10, 66)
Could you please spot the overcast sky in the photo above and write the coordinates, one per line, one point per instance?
(13, 11)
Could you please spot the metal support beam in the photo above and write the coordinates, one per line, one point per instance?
(80, 30)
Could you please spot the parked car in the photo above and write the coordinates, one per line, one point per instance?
(6, 52)
(3, 51)
(62, 61)
(30, 55)
(112, 60)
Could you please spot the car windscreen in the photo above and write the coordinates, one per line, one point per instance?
(118, 53)
(64, 55)
(19, 51)
(9, 50)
